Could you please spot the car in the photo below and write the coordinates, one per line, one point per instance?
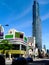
(29, 59)
(19, 61)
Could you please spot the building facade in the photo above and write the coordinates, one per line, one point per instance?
(18, 42)
(37, 25)
(31, 46)
(1, 32)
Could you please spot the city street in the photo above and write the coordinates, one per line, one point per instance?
(35, 62)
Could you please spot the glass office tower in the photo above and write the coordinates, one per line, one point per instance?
(37, 25)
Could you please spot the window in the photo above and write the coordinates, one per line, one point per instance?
(21, 35)
(23, 48)
(16, 47)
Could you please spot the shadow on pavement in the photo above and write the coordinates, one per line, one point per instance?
(2, 60)
(42, 62)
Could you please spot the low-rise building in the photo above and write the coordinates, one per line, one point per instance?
(18, 42)
(1, 32)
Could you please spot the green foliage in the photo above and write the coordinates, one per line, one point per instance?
(5, 45)
(5, 41)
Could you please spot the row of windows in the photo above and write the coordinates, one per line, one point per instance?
(17, 47)
(13, 47)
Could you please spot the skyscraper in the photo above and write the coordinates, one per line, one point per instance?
(37, 25)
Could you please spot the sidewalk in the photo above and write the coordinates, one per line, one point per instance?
(39, 59)
(8, 61)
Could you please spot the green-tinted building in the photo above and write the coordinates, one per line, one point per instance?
(18, 41)
(37, 25)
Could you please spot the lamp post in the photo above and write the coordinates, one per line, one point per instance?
(2, 31)
(6, 25)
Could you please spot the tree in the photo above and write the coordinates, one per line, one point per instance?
(6, 45)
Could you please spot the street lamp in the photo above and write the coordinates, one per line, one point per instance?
(2, 30)
(6, 25)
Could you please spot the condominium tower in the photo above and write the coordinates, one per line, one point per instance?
(36, 30)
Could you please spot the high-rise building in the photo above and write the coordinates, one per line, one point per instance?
(37, 25)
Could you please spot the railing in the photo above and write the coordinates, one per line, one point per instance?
(14, 51)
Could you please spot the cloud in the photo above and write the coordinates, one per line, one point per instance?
(43, 2)
(45, 17)
(13, 17)
(45, 39)
(6, 5)
(22, 26)
(24, 13)
(25, 24)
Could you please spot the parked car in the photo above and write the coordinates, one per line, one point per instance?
(29, 60)
(19, 61)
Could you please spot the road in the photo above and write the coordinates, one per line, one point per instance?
(35, 62)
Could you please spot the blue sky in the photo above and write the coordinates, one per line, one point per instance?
(18, 14)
